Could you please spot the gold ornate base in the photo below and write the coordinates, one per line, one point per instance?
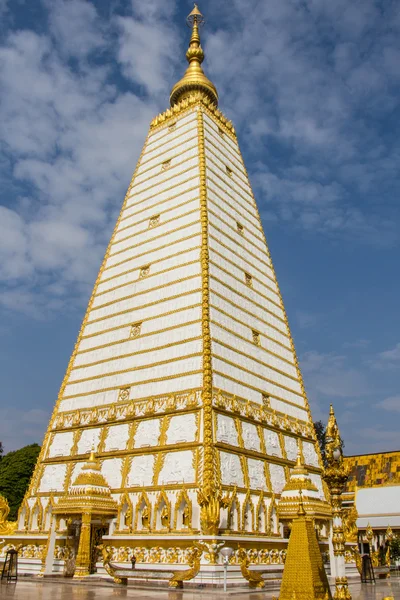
(342, 589)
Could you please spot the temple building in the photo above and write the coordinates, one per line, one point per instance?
(182, 411)
(372, 498)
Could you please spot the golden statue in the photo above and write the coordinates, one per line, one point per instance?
(186, 516)
(145, 517)
(165, 516)
(6, 527)
(128, 518)
(350, 529)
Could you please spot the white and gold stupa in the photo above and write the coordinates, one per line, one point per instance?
(184, 378)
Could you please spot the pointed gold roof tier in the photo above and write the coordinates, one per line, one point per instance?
(194, 78)
(89, 493)
(300, 483)
(304, 576)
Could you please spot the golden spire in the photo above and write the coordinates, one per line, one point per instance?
(194, 79)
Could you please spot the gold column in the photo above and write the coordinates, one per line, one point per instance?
(336, 476)
(83, 556)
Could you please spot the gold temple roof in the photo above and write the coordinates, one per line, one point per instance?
(299, 483)
(194, 80)
(89, 492)
(372, 470)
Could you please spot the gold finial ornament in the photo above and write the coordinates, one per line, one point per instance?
(194, 79)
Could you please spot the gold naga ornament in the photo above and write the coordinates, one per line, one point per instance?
(6, 527)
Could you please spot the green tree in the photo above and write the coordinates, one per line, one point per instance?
(16, 469)
(395, 547)
(320, 430)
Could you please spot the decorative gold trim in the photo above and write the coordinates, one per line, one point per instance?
(156, 205)
(144, 272)
(136, 233)
(164, 130)
(143, 306)
(165, 285)
(134, 369)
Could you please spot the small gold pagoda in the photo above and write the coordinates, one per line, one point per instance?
(304, 576)
(300, 483)
(89, 498)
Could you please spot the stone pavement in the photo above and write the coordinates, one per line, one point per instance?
(30, 589)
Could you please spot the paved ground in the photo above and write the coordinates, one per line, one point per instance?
(58, 590)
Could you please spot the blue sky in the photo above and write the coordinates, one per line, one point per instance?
(313, 90)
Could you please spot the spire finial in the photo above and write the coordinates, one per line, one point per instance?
(301, 512)
(194, 78)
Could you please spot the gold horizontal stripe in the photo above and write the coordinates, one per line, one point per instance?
(238, 243)
(180, 139)
(249, 226)
(133, 384)
(141, 351)
(161, 183)
(235, 306)
(229, 182)
(150, 276)
(223, 283)
(256, 360)
(243, 205)
(231, 135)
(242, 282)
(157, 204)
(213, 141)
(171, 187)
(136, 308)
(236, 169)
(161, 213)
(218, 240)
(249, 341)
(240, 207)
(251, 387)
(170, 133)
(156, 237)
(159, 163)
(235, 264)
(159, 316)
(133, 369)
(143, 292)
(220, 310)
(152, 263)
(259, 376)
(150, 230)
(168, 245)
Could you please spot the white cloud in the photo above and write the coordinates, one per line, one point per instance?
(391, 404)
(387, 360)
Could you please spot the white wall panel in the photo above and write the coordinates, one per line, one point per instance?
(158, 139)
(143, 390)
(250, 436)
(147, 433)
(178, 367)
(141, 470)
(61, 444)
(139, 222)
(231, 469)
(234, 243)
(256, 474)
(226, 430)
(111, 469)
(178, 468)
(155, 244)
(253, 321)
(278, 477)
(221, 322)
(225, 140)
(153, 296)
(184, 244)
(139, 315)
(117, 437)
(53, 478)
(291, 447)
(155, 234)
(252, 357)
(134, 349)
(272, 444)
(226, 233)
(170, 320)
(182, 428)
(171, 188)
(292, 411)
(89, 440)
(247, 304)
(186, 149)
(167, 183)
(147, 284)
